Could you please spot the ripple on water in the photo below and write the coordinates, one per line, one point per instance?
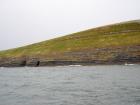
(94, 85)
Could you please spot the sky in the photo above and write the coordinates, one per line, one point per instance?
(24, 22)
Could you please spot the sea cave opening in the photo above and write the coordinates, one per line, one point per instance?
(23, 63)
(38, 63)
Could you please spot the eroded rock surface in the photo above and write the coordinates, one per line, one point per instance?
(118, 55)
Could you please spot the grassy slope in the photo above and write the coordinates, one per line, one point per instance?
(124, 34)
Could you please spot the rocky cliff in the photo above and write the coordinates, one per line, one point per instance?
(112, 44)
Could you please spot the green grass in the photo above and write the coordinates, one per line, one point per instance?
(123, 34)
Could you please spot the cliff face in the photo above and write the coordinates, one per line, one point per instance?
(113, 44)
(118, 55)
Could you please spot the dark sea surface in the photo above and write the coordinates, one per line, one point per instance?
(68, 85)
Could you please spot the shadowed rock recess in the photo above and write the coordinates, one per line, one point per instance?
(113, 44)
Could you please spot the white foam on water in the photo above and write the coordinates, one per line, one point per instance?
(75, 65)
(126, 64)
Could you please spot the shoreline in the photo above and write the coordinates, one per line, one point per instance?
(66, 63)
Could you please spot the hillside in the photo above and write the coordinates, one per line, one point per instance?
(112, 44)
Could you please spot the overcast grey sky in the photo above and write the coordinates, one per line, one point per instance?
(24, 22)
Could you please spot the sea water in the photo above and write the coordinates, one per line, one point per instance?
(70, 85)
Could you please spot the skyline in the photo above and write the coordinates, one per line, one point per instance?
(30, 21)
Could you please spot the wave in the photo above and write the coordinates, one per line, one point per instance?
(126, 64)
(75, 65)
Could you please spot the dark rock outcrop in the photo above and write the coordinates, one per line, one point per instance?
(118, 55)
